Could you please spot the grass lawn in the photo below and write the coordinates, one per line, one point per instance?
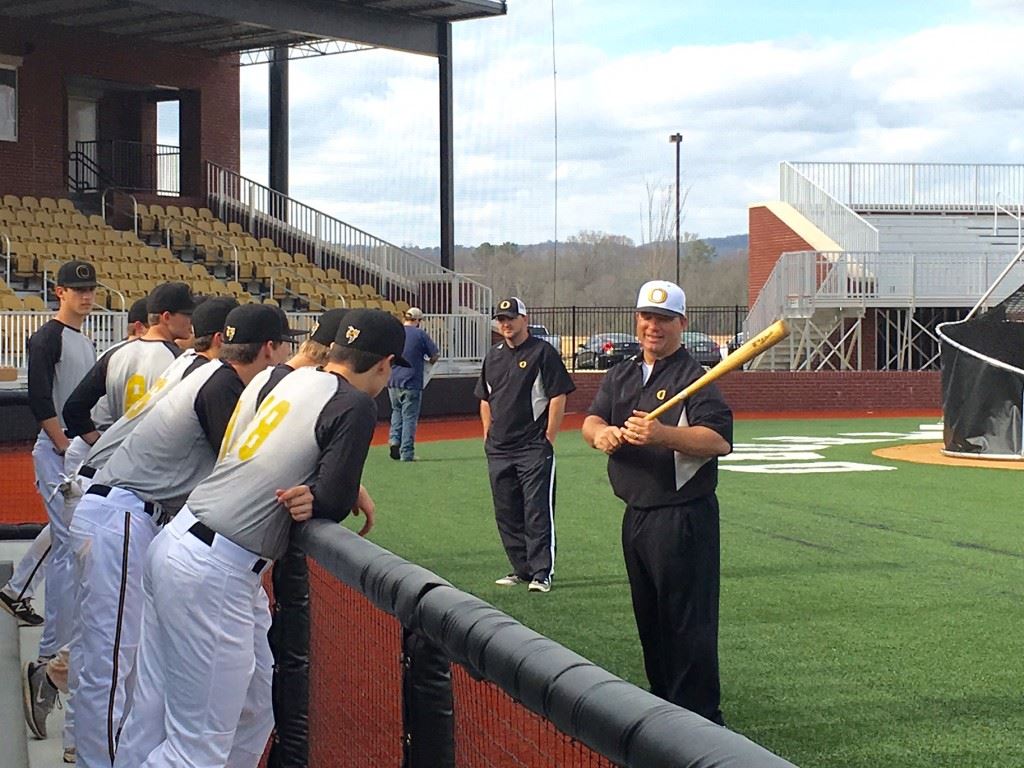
(867, 618)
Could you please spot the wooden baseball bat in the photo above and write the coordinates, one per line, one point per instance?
(766, 339)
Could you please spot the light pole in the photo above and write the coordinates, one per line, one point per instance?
(677, 139)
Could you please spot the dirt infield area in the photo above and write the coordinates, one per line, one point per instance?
(931, 453)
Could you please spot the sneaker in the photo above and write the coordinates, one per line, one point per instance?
(70, 755)
(38, 696)
(393, 452)
(540, 585)
(509, 581)
(21, 610)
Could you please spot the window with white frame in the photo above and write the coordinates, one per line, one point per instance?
(8, 103)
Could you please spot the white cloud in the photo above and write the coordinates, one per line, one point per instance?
(365, 125)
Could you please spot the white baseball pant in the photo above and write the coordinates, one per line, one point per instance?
(110, 535)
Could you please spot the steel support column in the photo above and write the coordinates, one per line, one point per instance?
(279, 126)
(447, 158)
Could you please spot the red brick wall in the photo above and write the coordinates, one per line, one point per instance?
(769, 238)
(35, 164)
(779, 392)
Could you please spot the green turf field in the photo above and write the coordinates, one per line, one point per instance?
(867, 618)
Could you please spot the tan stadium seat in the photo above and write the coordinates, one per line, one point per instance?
(30, 202)
(188, 212)
(48, 204)
(173, 210)
(44, 218)
(27, 218)
(79, 220)
(206, 213)
(94, 252)
(20, 232)
(11, 302)
(62, 220)
(66, 205)
(95, 220)
(35, 303)
(7, 216)
(235, 228)
(13, 202)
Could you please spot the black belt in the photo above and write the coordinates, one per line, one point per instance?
(205, 534)
(151, 509)
(86, 471)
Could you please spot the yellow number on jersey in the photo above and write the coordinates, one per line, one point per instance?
(136, 408)
(268, 418)
(134, 390)
(229, 432)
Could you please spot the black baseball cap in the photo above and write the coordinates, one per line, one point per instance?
(210, 315)
(138, 312)
(510, 307)
(76, 274)
(373, 331)
(170, 297)
(326, 327)
(256, 323)
(290, 334)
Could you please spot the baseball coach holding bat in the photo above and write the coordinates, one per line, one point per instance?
(665, 469)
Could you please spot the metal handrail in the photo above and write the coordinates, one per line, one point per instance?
(111, 289)
(135, 206)
(189, 223)
(1018, 216)
(829, 214)
(332, 243)
(136, 165)
(916, 187)
(7, 255)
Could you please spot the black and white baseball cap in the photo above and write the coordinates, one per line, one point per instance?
(326, 327)
(76, 274)
(662, 298)
(511, 307)
(255, 324)
(374, 331)
(211, 315)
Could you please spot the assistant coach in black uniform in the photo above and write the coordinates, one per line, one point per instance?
(666, 471)
(522, 390)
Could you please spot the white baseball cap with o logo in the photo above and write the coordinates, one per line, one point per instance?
(662, 298)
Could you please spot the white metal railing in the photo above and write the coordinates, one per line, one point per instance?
(917, 187)
(360, 257)
(1017, 216)
(827, 212)
(104, 328)
(113, 206)
(461, 339)
(804, 281)
(7, 256)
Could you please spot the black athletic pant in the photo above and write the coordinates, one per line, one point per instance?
(672, 559)
(523, 488)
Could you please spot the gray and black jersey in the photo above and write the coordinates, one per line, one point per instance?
(123, 376)
(100, 414)
(518, 384)
(59, 357)
(254, 393)
(311, 428)
(118, 432)
(176, 444)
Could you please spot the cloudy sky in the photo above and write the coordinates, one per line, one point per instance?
(748, 83)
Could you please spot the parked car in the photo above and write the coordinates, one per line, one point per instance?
(541, 332)
(605, 350)
(702, 347)
(737, 341)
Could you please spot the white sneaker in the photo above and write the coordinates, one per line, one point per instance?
(509, 581)
(540, 585)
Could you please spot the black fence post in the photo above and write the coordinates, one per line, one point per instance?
(428, 718)
(572, 344)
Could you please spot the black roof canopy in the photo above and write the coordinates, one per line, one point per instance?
(234, 26)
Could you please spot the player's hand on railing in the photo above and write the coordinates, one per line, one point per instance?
(298, 500)
(365, 505)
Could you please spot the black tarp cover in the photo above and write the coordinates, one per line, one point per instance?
(983, 382)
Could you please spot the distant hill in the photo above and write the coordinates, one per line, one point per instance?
(730, 245)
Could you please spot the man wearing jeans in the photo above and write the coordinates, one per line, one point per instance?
(405, 387)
